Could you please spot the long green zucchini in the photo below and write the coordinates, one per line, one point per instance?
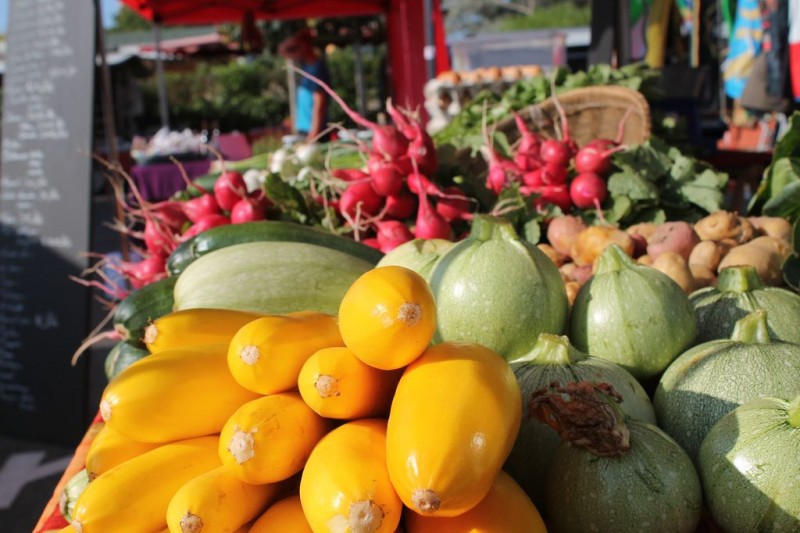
(121, 356)
(269, 277)
(134, 313)
(264, 230)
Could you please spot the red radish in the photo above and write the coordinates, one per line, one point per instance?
(533, 178)
(591, 159)
(549, 194)
(529, 142)
(158, 239)
(554, 174)
(402, 122)
(430, 224)
(207, 222)
(401, 205)
(404, 164)
(386, 180)
(422, 151)
(349, 174)
(372, 241)
(360, 194)
(418, 182)
(169, 213)
(386, 140)
(248, 209)
(587, 190)
(496, 178)
(229, 189)
(391, 234)
(148, 270)
(602, 144)
(201, 207)
(555, 152)
(454, 205)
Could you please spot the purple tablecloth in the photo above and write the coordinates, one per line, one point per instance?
(160, 181)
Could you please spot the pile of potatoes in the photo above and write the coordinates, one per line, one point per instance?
(692, 255)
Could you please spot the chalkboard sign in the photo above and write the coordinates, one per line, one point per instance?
(45, 215)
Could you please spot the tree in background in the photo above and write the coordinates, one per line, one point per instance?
(469, 17)
(127, 19)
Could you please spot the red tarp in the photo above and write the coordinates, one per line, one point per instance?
(405, 28)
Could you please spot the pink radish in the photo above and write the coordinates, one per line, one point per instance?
(386, 140)
(249, 209)
(207, 222)
(454, 205)
(401, 205)
(555, 152)
(527, 156)
(591, 159)
(360, 194)
(418, 182)
(550, 194)
(158, 238)
(533, 178)
(402, 122)
(141, 273)
(373, 242)
(349, 174)
(229, 189)
(422, 151)
(430, 224)
(386, 180)
(391, 234)
(587, 190)
(554, 174)
(201, 207)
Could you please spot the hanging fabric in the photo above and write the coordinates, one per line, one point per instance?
(794, 47)
(744, 46)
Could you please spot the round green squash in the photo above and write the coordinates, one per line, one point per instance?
(122, 355)
(712, 379)
(632, 315)
(419, 255)
(612, 474)
(740, 291)
(750, 467)
(498, 290)
(71, 492)
(552, 359)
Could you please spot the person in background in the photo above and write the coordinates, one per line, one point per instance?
(311, 112)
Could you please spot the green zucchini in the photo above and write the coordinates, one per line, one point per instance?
(69, 495)
(269, 277)
(264, 230)
(121, 356)
(133, 314)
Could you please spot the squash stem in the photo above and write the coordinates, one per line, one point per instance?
(794, 412)
(752, 329)
(487, 227)
(743, 278)
(551, 350)
(613, 259)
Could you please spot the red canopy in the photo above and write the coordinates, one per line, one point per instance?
(405, 28)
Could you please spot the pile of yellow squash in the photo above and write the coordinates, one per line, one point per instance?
(309, 422)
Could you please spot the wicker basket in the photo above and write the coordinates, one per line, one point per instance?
(592, 113)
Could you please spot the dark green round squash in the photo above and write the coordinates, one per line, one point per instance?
(740, 291)
(552, 359)
(712, 379)
(750, 467)
(122, 355)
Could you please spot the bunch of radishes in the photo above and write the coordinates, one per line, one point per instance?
(554, 171)
(161, 227)
(393, 199)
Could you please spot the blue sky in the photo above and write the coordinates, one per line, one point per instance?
(109, 7)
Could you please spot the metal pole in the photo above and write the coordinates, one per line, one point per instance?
(624, 49)
(162, 84)
(109, 125)
(292, 88)
(430, 44)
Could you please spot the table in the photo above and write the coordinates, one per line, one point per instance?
(160, 181)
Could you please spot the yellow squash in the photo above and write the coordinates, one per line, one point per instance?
(217, 502)
(266, 355)
(190, 327)
(388, 317)
(453, 421)
(285, 515)
(506, 509)
(345, 486)
(110, 448)
(133, 496)
(337, 384)
(269, 439)
(174, 395)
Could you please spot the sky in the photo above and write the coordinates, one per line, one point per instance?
(109, 8)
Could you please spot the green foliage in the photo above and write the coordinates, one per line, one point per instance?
(127, 19)
(341, 64)
(778, 194)
(560, 15)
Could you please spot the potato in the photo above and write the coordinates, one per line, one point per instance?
(551, 252)
(707, 254)
(703, 276)
(572, 291)
(766, 254)
(724, 225)
(678, 237)
(645, 229)
(562, 232)
(591, 242)
(645, 260)
(773, 227)
(674, 265)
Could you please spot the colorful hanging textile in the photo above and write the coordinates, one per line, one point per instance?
(744, 46)
(794, 47)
